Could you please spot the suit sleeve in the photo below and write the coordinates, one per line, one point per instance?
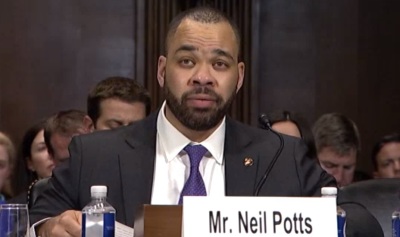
(310, 174)
(62, 191)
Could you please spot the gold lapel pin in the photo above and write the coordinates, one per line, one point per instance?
(248, 161)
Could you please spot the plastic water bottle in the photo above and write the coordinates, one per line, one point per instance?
(341, 214)
(98, 217)
(396, 223)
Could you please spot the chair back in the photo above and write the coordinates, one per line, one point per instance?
(379, 196)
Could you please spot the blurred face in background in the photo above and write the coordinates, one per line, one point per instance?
(287, 127)
(388, 161)
(5, 165)
(340, 167)
(40, 161)
(60, 143)
(116, 113)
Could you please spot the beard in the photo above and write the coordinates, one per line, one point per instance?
(198, 119)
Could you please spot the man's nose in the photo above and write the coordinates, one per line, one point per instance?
(339, 176)
(203, 76)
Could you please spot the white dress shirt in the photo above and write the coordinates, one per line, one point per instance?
(172, 165)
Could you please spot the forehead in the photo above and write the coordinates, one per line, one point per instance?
(213, 35)
(287, 127)
(39, 137)
(57, 138)
(115, 108)
(390, 149)
(327, 154)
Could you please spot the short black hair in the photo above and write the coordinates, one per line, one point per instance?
(394, 137)
(121, 88)
(203, 14)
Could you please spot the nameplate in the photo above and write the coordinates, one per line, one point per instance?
(259, 216)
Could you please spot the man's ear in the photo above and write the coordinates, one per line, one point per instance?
(241, 68)
(88, 124)
(162, 62)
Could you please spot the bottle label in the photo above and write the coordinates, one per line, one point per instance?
(396, 227)
(341, 225)
(109, 225)
(98, 225)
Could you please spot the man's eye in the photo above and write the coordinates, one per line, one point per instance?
(220, 65)
(387, 163)
(187, 62)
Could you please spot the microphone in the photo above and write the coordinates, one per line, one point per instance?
(266, 124)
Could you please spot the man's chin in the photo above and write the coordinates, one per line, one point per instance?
(201, 111)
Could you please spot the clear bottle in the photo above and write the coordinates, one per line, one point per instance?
(341, 214)
(98, 217)
(396, 223)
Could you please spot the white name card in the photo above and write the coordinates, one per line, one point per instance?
(259, 216)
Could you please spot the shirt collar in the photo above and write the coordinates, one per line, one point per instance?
(173, 141)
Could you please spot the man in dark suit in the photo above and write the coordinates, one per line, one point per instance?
(150, 161)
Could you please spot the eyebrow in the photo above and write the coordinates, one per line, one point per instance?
(223, 53)
(218, 52)
(328, 163)
(186, 47)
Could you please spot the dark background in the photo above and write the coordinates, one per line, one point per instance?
(312, 57)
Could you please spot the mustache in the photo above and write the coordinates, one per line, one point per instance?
(202, 90)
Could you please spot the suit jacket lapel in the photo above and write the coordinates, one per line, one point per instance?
(137, 166)
(239, 177)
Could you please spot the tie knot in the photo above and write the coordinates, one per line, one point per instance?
(196, 153)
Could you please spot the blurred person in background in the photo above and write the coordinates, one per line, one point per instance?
(61, 127)
(293, 124)
(7, 159)
(386, 157)
(338, 144)
(117, 101)
(34, 163)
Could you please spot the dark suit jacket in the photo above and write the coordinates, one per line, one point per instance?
(123, 160)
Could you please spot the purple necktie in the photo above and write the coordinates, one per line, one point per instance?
(194, 186)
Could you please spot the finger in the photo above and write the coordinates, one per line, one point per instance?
(78, 216)
(69, 222)
(76, 230)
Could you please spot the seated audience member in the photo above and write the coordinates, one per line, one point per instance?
(338, 144)
(293, 124)
(61, 127)
(296, 125)
(34, 162)
(7, 159)
(150, 161)
(386, 157)
(117, 101)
